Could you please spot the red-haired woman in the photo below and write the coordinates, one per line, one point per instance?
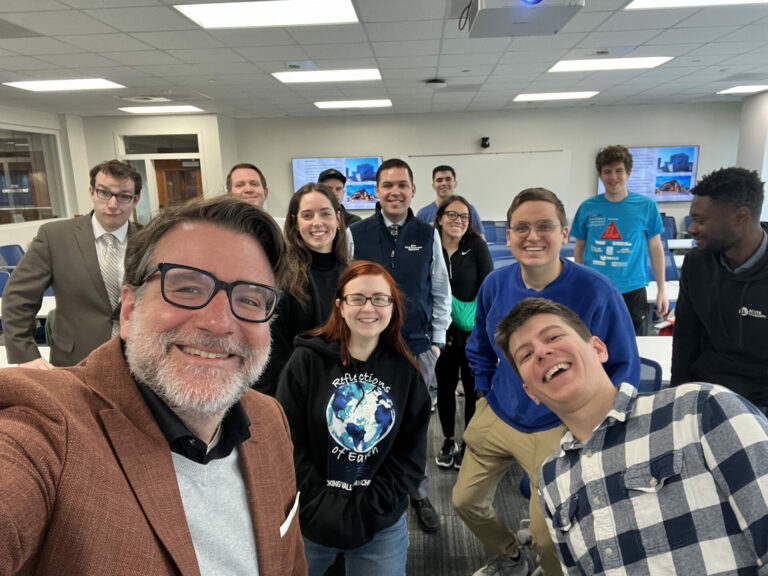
(359, 414)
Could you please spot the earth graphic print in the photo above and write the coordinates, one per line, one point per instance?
(359, 415)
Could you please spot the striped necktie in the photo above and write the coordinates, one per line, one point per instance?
(110, 275)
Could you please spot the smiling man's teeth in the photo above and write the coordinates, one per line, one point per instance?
(203, 353)
(555, 369)
(534, 249)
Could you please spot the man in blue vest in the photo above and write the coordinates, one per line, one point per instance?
(411, 252)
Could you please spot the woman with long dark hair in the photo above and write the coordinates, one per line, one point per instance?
(359, 413)
(316, 253)
(469, 262)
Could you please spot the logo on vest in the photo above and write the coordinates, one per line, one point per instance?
(744, 311)
(611, 233)
(413, 248)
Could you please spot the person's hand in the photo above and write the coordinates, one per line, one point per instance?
(436, 350)
(662, 304)
(37, 364)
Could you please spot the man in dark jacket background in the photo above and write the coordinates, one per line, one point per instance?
(721, 319)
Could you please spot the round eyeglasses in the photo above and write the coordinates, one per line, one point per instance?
(122, 197)
(192, 289)
(378, 300)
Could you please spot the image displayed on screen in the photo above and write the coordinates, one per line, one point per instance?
(359, 170)
(14, 191)
(664, 173)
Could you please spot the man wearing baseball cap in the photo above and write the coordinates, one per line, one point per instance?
(336, 181)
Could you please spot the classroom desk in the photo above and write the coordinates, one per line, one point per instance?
(44, 352)
(671, 288)
(658, 348)
(680, 243)
(49, 303)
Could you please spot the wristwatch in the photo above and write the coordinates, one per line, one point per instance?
(439, 345)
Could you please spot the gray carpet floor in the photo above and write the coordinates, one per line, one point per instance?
(454, 550)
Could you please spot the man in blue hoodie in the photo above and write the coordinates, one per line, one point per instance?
(508, 426)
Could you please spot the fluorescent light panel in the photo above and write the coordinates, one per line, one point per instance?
(554, 96)
(608, 64)
(160, 109)
(328, 75)
(744, 89)
(385, 103)
(653, 4)
(65, 85)
(270, 13)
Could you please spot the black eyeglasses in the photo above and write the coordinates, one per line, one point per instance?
(122, 197)
(192, 289)
(542, 227)
(453, 215)
(378, 300)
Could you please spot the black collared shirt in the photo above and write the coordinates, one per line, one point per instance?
(235, 429)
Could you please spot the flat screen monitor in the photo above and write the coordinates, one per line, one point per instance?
(360, 193)
(664, 173)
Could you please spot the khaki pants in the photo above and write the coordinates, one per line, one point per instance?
(492, 446)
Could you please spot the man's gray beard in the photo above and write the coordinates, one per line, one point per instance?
(148, 355)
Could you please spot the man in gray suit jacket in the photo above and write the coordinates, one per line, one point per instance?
(69, 255)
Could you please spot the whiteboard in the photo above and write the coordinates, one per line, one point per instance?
(491, 180)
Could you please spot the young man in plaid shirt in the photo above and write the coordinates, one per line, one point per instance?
(670, 483)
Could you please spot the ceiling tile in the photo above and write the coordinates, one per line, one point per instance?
(105, 42)
(143, 19)
(344, 33)
(406, 48)
(179, 40)
(209, 55)
(58, 23)
(418, 30)
(325, 51)
(691, 35)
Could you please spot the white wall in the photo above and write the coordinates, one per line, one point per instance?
(753, 138)
(102, 134)
(271, 143)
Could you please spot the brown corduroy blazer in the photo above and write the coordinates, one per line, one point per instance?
(87, 483)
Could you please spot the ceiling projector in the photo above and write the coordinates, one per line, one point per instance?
(500, 18)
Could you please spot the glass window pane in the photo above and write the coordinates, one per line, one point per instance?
(161, 144)
(30, 177)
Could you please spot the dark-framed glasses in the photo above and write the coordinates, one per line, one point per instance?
(453, 215)
(122, 197)
(378, 300)
(542, 227)
(192, 289)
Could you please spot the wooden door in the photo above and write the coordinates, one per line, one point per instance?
(177, 181)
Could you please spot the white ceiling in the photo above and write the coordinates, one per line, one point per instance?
(153, 50)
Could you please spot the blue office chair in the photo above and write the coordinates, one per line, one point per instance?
(498, 250)
(4, 275)
(687, 221)
(670, 227)
(650, 376)
(567, 250)
(489, 229)
(501, 262)
(11, 254)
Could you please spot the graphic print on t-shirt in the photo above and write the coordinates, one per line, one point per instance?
(611, 233)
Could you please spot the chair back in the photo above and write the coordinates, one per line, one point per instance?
(687, 222)
(4, 275)
(670, 227)
(650, 376)
(11, 254)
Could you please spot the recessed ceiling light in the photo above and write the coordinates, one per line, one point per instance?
(328, 75)
(385, 103)
(608, 64)
(65, 85)
(652, 4)
(554, 96)
(160, 109)
(270, 13)
(744, 89)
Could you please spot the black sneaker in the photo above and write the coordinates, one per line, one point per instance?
(445, 458)
(459, 456)
(426, 514)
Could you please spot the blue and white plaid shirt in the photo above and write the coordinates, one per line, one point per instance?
(670, 483)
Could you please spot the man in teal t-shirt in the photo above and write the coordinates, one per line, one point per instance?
(615, 232)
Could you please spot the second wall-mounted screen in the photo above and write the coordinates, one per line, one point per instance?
(664, 173)
(360, 172)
